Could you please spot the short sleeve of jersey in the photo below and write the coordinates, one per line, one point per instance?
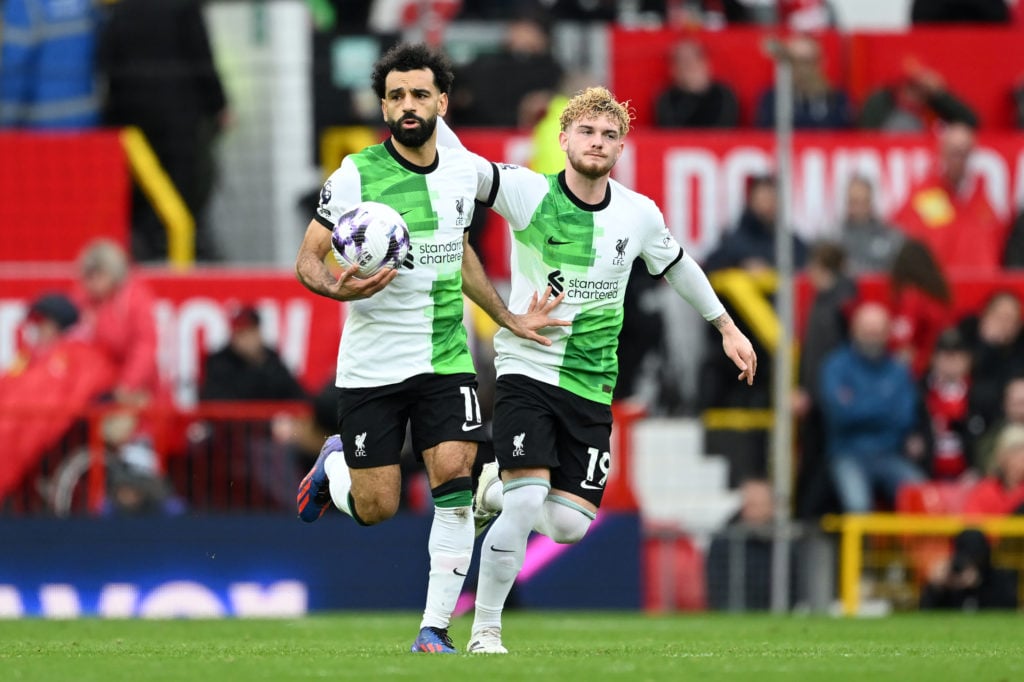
(660, 249)
(486, 179)
(519, 193)
(340, 192)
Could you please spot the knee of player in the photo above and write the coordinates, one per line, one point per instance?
(568, 523)
(450, 470)
(374, 510)
(572, 534)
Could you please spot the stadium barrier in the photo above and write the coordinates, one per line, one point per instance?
(215, 457)
(885, 558)
(163, 195)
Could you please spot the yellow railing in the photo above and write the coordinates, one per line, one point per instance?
(738, 419)
(336, 142)
(854, 528)
(164, 197)
(748, 294)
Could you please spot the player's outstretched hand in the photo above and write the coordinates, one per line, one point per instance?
(351, 288)
(741, 352)
(537, 316)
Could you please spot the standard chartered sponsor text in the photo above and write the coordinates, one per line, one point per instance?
(591, 290)
(431, 254)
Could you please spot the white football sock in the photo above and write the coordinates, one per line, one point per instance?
(494, 496)
(339, 479)
(504, 547)
(451, 549)
(563, 520)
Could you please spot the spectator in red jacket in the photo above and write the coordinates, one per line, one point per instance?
(945, 389)
(920, 300)
(117, 315)
(950, 213)
(1003, 491)
(49, 318)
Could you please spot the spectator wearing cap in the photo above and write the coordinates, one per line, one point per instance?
(49, 318)
(946, 387)
(246, 368)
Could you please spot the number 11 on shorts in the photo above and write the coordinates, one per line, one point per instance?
(473, 417)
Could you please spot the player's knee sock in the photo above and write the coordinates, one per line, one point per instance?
(563, 520)
(340, 482)
(494, 496)
(504, 547)
(451, 549)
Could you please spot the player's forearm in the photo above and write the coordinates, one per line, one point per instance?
(690, 282)
(313, 274)
(479, 289)
(724, 324)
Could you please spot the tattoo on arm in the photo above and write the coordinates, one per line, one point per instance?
(721, 321)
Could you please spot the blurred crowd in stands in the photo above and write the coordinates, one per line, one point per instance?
(892, 390)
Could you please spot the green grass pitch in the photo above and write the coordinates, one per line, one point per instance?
(545, 646)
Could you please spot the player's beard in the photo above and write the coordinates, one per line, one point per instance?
(589, 166)
(412, 137)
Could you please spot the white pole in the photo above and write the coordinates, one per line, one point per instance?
(782, 367)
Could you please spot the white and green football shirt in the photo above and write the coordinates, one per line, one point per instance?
(582, 249)
(414, 325)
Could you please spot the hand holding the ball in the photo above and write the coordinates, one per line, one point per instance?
(350, 287)
(537, 316)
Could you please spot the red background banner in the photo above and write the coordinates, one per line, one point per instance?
(192, 318)
(60, 190)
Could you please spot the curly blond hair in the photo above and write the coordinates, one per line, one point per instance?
(596, 101)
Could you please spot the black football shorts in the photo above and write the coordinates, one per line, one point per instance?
(439, 407)
(537, 425)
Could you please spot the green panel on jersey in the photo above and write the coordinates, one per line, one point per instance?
(590, 366)
(448, 339)
(385, 181)
(560, 232)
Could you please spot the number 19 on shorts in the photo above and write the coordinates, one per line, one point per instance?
(600, 463)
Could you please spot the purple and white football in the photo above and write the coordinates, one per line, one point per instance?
(371, 235)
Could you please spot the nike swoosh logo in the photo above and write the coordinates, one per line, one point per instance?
(589, 486)
(557, 242)
(470, 427)
(407, 212)
(456, 572)
(495, 549)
